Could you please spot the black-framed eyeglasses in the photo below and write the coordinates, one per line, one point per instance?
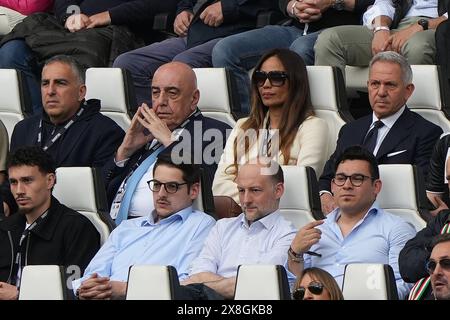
(356, 179)
(431, 265)
(314, 287)
(276, 78)
(170, 187)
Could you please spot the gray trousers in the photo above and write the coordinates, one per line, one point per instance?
(352, 45)
(143, 62)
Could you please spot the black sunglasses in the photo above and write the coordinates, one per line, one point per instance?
(431, 265)
(314, 287)
(276, 78)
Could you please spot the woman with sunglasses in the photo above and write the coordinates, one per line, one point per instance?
(316, 284)
(281, 124)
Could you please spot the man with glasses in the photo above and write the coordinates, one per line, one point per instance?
(416, 252)
(172, 234)
(392, 132)
(357, 231)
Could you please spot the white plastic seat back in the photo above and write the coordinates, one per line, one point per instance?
(75, 188)
(369, 281)
(295, 204)
(215, 96)
(426, 99)
(107, 85)
(42, 282)
(356, 80)
(151, 282)
(327, 96)
(261, 282)
(11, 102)
(398, 193)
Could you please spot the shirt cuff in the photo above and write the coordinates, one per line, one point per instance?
(381, 9)
(121, 163)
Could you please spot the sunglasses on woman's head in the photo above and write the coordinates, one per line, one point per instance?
(314, 287)
(276, 78)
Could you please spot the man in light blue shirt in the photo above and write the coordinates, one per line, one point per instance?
(260, 235)
(173, 234)
(357, 231)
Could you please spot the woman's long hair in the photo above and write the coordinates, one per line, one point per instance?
(296, 108)
(324, 278)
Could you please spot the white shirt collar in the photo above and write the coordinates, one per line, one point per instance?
(388, 121)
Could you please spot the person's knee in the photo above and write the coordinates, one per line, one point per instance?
(225, 53)
(420, 51)
(125, 61)
(328, 41)
(14, 54)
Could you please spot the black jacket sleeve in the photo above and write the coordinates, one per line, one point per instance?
(185, 5)
(417, 250)
(436, 173)
(140, 11)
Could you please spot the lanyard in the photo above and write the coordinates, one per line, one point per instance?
(60, 132)
(21, 249)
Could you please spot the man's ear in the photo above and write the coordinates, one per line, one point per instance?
(82, 92)
(194, 191)
(195, 99)
(51, 180)
(279, 190)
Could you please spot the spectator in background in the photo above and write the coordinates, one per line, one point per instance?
(45, 231)
(174, 127)
(281, 125)
(4, 147)
(94, 32)
(316, 284)
(416, 252)
(260, 235)
(199, 25)
(437, 188)
(404, 26)
(14, 11)
(392, 132)
(438, 266)
(172, 234)
(357, 231)
(72, 130)
(241, 52)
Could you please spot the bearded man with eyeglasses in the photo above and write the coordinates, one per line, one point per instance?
(172, 234)
(358, 230)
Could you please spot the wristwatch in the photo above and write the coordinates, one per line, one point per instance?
(338, 5)
(423, 23)
(293, 256)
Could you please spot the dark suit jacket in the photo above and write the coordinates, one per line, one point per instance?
(238, 16)
(411, 133)
(114, 175)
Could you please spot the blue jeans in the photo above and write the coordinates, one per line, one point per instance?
(16, 54)
(143, 62)
(241, 52)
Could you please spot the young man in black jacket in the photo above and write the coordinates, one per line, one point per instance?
(45, 231)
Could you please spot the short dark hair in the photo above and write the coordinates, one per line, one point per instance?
(445, 237)
(359, 153)
(32, 156)
(191, 172)
(77, 68)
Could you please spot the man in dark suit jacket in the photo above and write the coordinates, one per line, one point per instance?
(70, 129)
(393, 133)
(174, 127)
